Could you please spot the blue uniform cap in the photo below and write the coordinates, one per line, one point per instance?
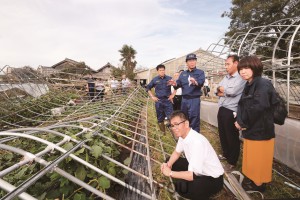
(191, 56)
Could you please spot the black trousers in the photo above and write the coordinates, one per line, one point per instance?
(92, 93)
(177, 102)
(229, 135)
(201, 188)
(100, 94)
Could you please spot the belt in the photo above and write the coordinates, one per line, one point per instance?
(163, 97)
(190, 97)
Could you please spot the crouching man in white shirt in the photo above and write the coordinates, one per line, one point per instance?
(200, 174)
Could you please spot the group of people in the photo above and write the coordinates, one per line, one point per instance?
(246, 103)
(96, 88)
(190, 82)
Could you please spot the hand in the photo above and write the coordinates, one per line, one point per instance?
(171, 97)
(220, 89)
(220, 94)
(237, 126)
(163, 166)
(155, 99)
(172, 82)
(165, 169)
(193, 80)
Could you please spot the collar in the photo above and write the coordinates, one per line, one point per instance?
(188, 136)
(161, 77)
(254, 80)
(234, 75)
(192, 69)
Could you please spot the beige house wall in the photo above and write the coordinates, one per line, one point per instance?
(103, 74)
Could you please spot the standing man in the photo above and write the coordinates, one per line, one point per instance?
(163, 99)
(191, 82)
(200, 174)
(125, 84)
(114, 85)
(229, 91)
(100, 89)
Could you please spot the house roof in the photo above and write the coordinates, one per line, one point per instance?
(70, 61)
(105, 66)
(64, 61)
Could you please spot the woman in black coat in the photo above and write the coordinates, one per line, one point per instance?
(255, 119)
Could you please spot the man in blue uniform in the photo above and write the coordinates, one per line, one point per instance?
(191, 82)
(163, 99)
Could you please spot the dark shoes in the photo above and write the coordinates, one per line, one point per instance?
(250, 185)
(260, 188)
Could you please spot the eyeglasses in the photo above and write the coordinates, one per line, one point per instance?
(176, 125)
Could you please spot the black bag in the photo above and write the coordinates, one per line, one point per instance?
(279, 110)
(208, 89)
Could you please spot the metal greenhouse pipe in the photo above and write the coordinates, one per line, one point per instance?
(8, 187)
(23, 186)
(79, 160)
(58, 170)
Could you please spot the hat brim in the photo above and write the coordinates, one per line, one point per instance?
(190, 59)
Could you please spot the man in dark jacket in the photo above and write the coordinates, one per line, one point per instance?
(163, 97)
(191, 82)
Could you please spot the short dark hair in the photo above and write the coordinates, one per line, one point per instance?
(178, 113)
(160, 66)
(234, 57)
(252, 62)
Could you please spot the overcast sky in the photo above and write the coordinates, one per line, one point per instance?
(45, 32)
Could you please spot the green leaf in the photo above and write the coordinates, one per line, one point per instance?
(68, 146)
(124, 171)
(77, 197)
(21, 173)
(79, 151)
(112, 171)
(108, 150)
(80, 196)
(52, 194)
(127, 161)
(8, 156)
(63, 181)
(96, 151)
(91, 174)
(87, 157)
(88, 135)
(54, 176)
(66, 190)
(80, 173)
(68, 159)
(104, 182)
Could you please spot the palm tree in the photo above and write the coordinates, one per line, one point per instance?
(128, 60)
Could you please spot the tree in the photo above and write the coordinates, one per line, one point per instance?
(128, 62)
(246, 14)
(117, 72)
